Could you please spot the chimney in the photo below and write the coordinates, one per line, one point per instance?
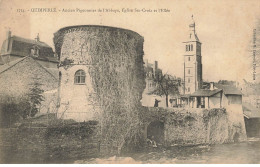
(37, 39)
(146, 62)
(211, 86)
(155, 66)
(8, 37)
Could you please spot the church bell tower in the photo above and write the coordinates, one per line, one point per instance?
(192, 61)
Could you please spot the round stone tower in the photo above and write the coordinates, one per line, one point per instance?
(101, 69)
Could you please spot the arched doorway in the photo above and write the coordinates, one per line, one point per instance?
(155, 131)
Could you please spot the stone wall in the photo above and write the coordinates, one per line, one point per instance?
(197, 126)
(16, 81)
(63, 144)
(112, 59)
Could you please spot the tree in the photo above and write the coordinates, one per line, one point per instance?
(166, 85)
(227, 82)
(35, 97)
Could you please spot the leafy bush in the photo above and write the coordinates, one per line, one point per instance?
(12, 112)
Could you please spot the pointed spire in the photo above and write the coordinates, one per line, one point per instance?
(192, 32)
(192, 25)
(8, 34)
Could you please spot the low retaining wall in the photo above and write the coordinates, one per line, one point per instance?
(64, 144)
(197, 126)
(48, 145)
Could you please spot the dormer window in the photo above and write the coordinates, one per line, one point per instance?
(32, 51)
(35, 51)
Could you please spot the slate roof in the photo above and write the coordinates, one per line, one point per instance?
(228, 89)
(22, 47)
(54, 72)
(205, 92)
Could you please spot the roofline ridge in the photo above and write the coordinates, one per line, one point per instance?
(34, 61)
(14, 64)
(30, 40)
(45, 69)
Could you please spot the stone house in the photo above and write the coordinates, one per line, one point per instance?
(251, 107)
(151, 72)
(252, 119)
(15, 47)
(17, 76)
(218, 96)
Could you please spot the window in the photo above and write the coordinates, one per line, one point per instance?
(188, 80)
(202, 102)
(191, 47)
(188, 58)
(79, 77)
(35, 51)
(32, 52)
(188, 71)
(188, 89)
(187, 49)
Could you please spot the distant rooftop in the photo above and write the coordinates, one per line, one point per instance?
(228, 89)
(205, 92)
(19, 46)
(250, 111)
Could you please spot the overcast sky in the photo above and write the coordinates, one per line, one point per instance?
(225, 29)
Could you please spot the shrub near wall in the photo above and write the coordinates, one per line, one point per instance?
(60, 144)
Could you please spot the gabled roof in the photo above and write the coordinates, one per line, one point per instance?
(228, 89)
(205, 92)
(11, 64)
(54, 72)
(22, 47)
